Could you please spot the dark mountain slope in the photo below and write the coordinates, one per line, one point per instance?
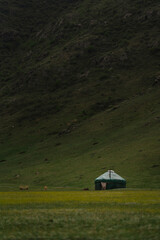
(68, 65)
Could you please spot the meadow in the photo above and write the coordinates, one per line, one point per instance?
(80, 215)
(79, 95)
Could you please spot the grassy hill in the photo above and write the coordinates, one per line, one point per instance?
(79, 90)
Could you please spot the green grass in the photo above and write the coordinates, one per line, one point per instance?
(128, 136)
(80, 215)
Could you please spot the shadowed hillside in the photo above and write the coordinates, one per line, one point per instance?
(79, 90)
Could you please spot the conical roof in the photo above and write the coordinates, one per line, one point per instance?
(109, 175)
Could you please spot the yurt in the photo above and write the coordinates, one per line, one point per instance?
(109, 180)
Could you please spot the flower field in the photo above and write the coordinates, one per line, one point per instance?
(80, 215)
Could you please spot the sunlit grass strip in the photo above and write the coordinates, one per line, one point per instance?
(145, 197)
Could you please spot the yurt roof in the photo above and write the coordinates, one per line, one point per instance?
(110, 175)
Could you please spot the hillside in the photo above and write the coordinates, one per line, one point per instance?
(79, 90)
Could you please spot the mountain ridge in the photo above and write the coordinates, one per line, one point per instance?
(79, 82)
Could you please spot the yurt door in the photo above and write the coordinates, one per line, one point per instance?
(103, 184)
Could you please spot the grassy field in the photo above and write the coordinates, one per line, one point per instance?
(79, 94)
(125, 140)
(128, 214)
